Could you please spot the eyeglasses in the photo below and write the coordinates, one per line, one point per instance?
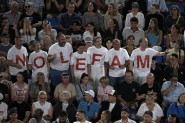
(27, 6)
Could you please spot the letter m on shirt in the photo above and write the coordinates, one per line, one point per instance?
(143, 63)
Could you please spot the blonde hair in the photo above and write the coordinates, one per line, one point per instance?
(115, 9)
(95, 38)
(4, 63)
(67, 94)
(105, 80)
(176, 7)
(42, 93)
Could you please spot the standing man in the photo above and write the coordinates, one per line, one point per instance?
(59, 58)
(5, 45)
(116, 60)
(141, 58)
(17, 59)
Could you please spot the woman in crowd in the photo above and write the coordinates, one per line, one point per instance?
(20, 85)
(151, 106)
(83, 86)
(4, 71)
(178, 108)
(130, 44)
(105, 117)
(103, 89)
(108, 43)
(111, 13)
(173, 36)
(172, 118)
(153, 34)
(65, 104)
(44, 105)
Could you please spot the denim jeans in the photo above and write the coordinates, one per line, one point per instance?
(116, 81)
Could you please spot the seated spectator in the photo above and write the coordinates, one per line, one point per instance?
(20, 3)
(39, 85)
(13, 116)
(38, 117)
(178, 108)
(130, 44)
(150, 87)
(162, 5)
(65, 104)
(5, 45)
(173, 36)
(78, 5)
(62, 118)
(3, 109)
(148, 117)
(4, 22)
(128, 90)
(20, 85)
(105, 117)
(133, 30)
(92, 15)
(112, 13)
(172, 118)
(108, 43)
(103, 89)
(90, 107)
(82, 87)
(101, 6)
(81, 117)
(135, 13)
(150, 105)
(88, 43)
(47, 30)
(125, 112)
(174, 18)
(69, 40)
(112, 105)
(154, 34)
(175, 68)
(171, 90)
(44, 105)
(64, 86)
(46, 43)
(23, 108)
(4, 71)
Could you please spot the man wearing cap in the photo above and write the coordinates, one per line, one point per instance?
(5, 45)
(135, 13)
(112, 105)
(13, 116)
(3, 109)
(89, 106)
(125, 112)
(116, 60)
(148, 117)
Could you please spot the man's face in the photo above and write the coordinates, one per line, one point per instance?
(124, 114)
(153, 10)
(112, 99)
(78, 116)
(174, 80)
(144, 43)
(14, 7)
(150, 79)
(62, 119)
(87, 97)
(116, 45)
(19, 42)
(5, 40)
(133, 24)
(65, 79)
(173, 60)
(13, 116)
(71, 8)
(20, 96)
(147, 118)
(41, 78)
(128, 77)
(61, 40)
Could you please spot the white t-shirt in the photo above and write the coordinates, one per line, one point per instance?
(97, 56)
(83, 122)
(116, 58)
(38, 61)
(80, 62)
(18, 57)
(142, 60)
(3, 111)
(62, 60)
(44, 107)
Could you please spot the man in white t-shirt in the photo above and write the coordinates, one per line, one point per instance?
(17, 59)
(116, 59)
(59, 59)
(142, 59)
(38, 62)
(81, 117)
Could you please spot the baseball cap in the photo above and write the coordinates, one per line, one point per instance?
(135, 4)
(112, 93)
(88, 39)
(1, 97)
(126, 109)
(76, 22)
(5, 35)
(90, 92)
(13, 110)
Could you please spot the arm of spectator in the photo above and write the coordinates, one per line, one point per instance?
(24, 26)
(33, 108)
(72, 73)
(3, 53)
(27, 95)
(140, 118)
(125, 103)
(168, 41)
(181, 60)
(49, 116)
(158, 119)
(29, 66)
(11, 63)
(131, 65)
(12, 94)
(27, 116)
(160, 38)
(51, 57)
(167, 91)
(48, 4)
(15, 29)
(48, 68)
(58, 6)
(89, 71)
(50, 33)
(40, 10)
(106, 64)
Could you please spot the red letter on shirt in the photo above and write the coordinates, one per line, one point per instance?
(21, 60)
(139, 60)
(62, 58)
(43, 62)
(117, 61)
(78, 63)
(94, 58)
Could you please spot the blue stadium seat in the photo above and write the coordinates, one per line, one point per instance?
(54, 23)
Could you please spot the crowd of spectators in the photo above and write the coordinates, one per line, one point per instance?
(99, 61)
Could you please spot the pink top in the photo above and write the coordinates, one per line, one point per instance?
(24, 89)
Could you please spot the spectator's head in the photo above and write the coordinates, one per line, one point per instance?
(125, 112)
(40, 77)
(143, 43)
(173, 118)
(75, 25)
(65, 96)
(135, 7)
(106, 116)
(174, 10)
(46, 24)
(174, 59)
(154, 8)
(42, 96)
(113, 23)
(4, 22)
(1, 98)
(153, 24)
(149, 98)
(108, 43)
(5, 38)
(112, 9)
(18, 41)
(69, 39)
(89, 95)
(112, 96)
(84, 78)
(92, 7)
(178, 45)
(181, 99)
(91, 27)
(150, 78)
(173, 79)
(116, 44)
(65, 77)
(80, 47)
(130, 40)
(71, 8)
(20, 77)
(97, 42)
(175, 28)
(63, 117)
(129, 76)
(29, 7)
(61, 38)
(134, 22)
(80, 116)
(13, 114)
(36, 46)
(153, 61)
(14, 6)
(148, 115)
(38, 114)
(3, 64)
(47, 40)
(19, 96)
(104, 81)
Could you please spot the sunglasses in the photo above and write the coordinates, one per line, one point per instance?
(27, 6)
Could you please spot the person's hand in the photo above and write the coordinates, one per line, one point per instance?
(121, 66)
(174, 120)
(73, 79)
(14, 27)
(174, 84)
(55, 56)
(112, 67)
(18, 66)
